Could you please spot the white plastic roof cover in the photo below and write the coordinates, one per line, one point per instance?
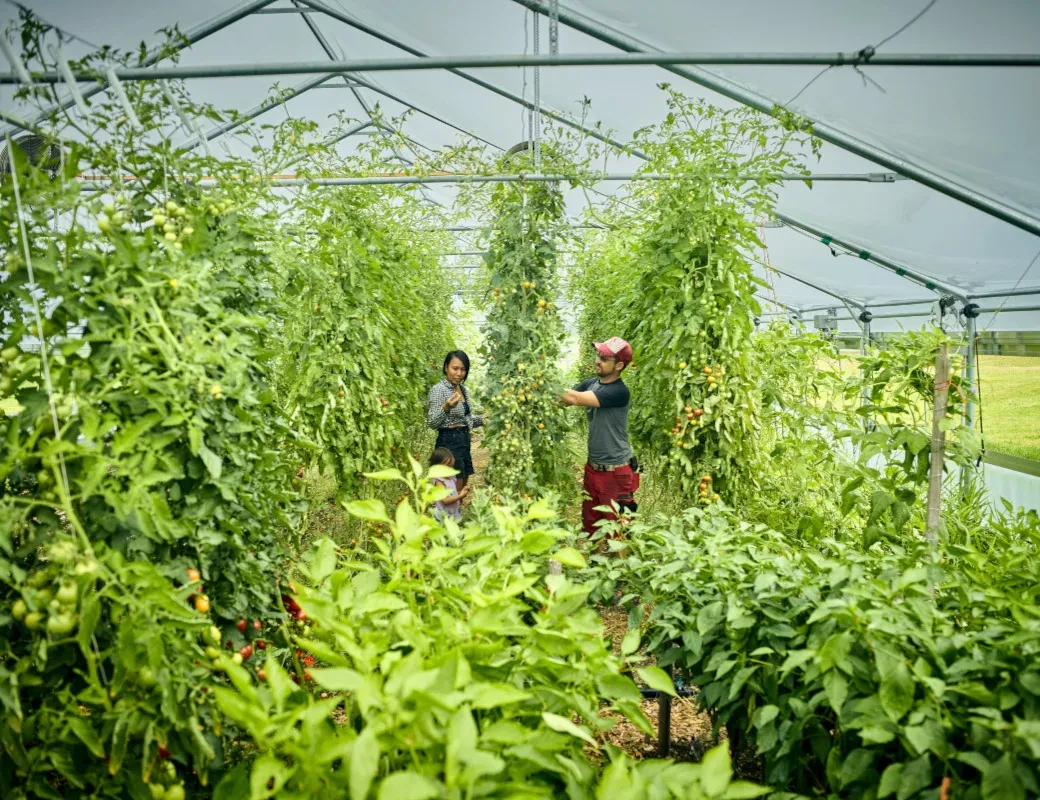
(977, 126)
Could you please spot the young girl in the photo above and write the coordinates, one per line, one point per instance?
(450, 506)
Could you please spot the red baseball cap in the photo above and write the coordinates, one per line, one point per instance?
(616, 348)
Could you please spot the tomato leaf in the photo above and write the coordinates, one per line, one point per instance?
(214, 463)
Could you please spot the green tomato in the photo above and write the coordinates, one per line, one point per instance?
(19, 609)
(212, 653)
(175, 792)
(9, 354)
(44, 597)
(68, 594)
(157, 790)
(146, 677)
(61, 624)
(33, 620)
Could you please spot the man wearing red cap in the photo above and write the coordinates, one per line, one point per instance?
(609, 476)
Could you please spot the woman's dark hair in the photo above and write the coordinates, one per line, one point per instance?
(440, 456)
(461, 356)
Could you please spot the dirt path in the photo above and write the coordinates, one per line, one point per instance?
(691, 729)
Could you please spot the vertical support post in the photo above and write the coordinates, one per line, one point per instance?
(864, 348)
(971, 330)
(664, 722)
(969, 368)
(938, 452)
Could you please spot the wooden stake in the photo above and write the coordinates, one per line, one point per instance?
(938, 456)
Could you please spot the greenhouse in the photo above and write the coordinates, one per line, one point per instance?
(520, 398)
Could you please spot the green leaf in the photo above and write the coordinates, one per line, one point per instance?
(89, 616)
(338, 679)
(896, 693)
(657, 678)
(744, 790)
(890, 780)
(364, 763)
(710, 616)
(85, 733)
(764, 715)
(564, 725)
(278, 681)
(835, 652)
(569, 557)
(385, 475)
(716, 770)
(977, 760)
(836, 688)
(439, 471)
(855, 766)
(234, 785)
(323, 560)
(630, 642)
(494, 695)
(268, 777)
(408, 786)
(370, 509)
(214, 463)
(999, 782)
(119, 742)
(928, 736)
(917, 775)
(794, 660)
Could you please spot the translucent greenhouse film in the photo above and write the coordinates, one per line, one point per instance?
(447, 399)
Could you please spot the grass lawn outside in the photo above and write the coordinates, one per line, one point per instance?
(1010, 391)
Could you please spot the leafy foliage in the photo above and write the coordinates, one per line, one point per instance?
(676, 281)
(876, 672)
(460, 667)
(523, 339)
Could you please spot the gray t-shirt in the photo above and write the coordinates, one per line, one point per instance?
(608, 424)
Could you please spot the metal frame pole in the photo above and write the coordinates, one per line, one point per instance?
(259, 110)
(353, 22)
(928, 282)
(377, 180)
(196, 34)
(670, 60)
(828, 133)
(595, 134)
(1010, 293)
(327, 47)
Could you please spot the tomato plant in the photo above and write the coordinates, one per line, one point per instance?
(523, 337)
(674, 277)
(369, 312)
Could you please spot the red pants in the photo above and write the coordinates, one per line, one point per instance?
(603, 488)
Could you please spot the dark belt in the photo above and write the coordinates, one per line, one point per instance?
(606, 467)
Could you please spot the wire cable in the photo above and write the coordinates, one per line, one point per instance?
(62, 32)
(1018, 283)
(865, 55)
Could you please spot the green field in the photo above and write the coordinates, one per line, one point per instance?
(1010, 388)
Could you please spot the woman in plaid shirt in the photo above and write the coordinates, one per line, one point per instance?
(448, 413)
